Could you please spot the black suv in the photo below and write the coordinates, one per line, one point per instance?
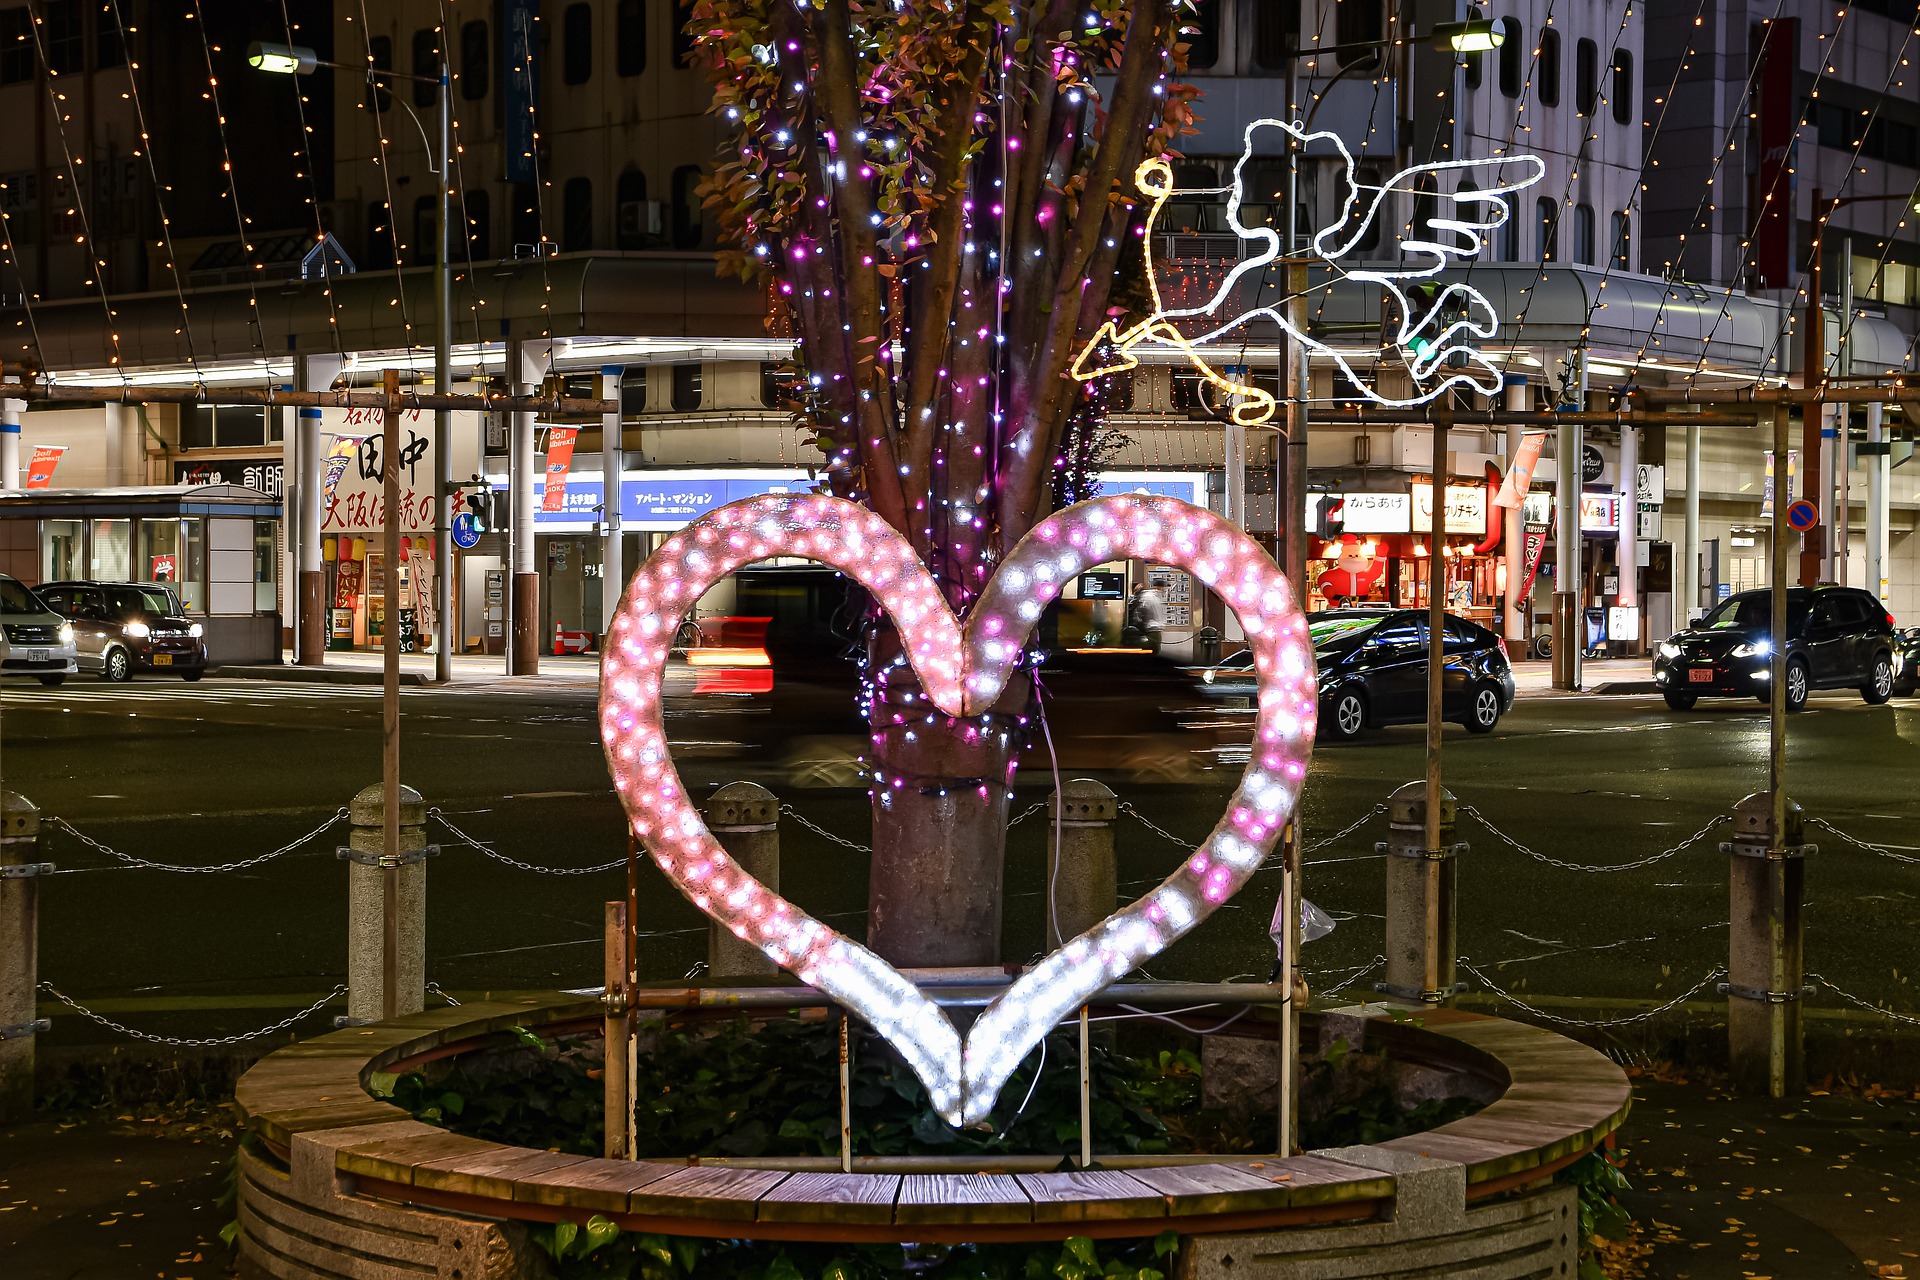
(123, 627)
(1837, 638)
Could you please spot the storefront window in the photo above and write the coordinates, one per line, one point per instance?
(265, 597)
(159, 559)
(193, 564)
(60, 551)
(112, 550)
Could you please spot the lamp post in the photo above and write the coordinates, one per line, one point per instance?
(1815, 554)
(287, 59)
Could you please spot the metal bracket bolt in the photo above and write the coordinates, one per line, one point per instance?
(406, 859)
(1761, 994)
(21, 1030)
(24, 870)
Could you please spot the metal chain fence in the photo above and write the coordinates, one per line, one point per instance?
(1868, 845)
(221, 868)
(789, 811)
(1346, 980)
(1868, 1005)
(183, 1042)
(1596, 868)
(1643, 1016)
(516, 863)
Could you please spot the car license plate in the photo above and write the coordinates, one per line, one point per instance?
(36, 655)
(1700, 676)
(162, 659)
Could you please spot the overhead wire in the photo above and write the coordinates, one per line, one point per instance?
(253, 266)
(385, 161)
(313, 187)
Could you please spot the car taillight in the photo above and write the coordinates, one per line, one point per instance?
(1890, 622)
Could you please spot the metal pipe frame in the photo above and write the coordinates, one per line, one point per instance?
(400, 402)
(959, 996)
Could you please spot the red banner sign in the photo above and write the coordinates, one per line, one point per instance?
(1776, 104)
(1536, 547)
(40, 470)
(559, 462)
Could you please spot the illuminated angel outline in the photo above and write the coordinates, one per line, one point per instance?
(1460, 236)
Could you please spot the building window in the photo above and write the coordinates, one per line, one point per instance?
(633, 391)
(426, 62)
(1547, 77)
(682, 34)
(473, 61)
(1583, 234)
(687, 228)
(576, 44)
(16, 46)
(380, 58)
(380, 247)
(1510, 57)
(630, 37)
(1203, 35)
(576, 215)
(633, 227)
(109, 42)
(66, 37)
(525, 215)
(1546, 217)
(1622, 242)
(426, 222)
(1508, 245)
(686, 388)
(1586, 77)
(477, 208)
(1622, 94)
(1276, 32)
(773, 384)
(1359, 22)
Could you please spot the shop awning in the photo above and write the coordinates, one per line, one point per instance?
(139, 500)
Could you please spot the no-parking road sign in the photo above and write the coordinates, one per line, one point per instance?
(1803, 515)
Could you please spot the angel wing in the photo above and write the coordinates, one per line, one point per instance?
(1432, 329)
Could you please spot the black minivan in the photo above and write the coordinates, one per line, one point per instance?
(1837, 638)
(123, 627)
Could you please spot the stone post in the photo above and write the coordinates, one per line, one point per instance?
(745, 818)
(1766, 963)
(1082, 883)
(1421, 895)
(20, 872)
(366, 904)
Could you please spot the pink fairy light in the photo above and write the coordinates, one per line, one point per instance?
(963, 669)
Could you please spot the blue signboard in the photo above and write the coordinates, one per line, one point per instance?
(466, 531)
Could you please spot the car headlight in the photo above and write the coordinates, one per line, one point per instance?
(66, 633)
(195, 630)
(137, 630)
(1755, 649)
(1669, 650)
(1206, 677)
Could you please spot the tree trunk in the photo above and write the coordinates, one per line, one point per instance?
(939, 822)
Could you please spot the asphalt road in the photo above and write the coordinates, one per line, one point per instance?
(227, 769)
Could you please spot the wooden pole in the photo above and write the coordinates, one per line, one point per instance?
(390, 704)
(616, 1066)
(1777, 660)
(1086, 1095)
(1436, 628)
(632, 947)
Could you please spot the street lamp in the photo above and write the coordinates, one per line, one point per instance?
(1478, 35)
(293, 59)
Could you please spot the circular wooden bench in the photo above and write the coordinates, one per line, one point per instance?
(335, 1163)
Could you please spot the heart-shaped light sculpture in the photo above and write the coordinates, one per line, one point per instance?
(963, 670)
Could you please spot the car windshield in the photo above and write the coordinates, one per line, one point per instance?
(1754, 611)
(137, 602)
(16, 599)
(1339, 625)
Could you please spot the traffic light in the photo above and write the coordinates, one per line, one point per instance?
(1433, 308)
(480, 505)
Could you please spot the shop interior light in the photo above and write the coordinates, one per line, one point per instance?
(1478, 35)
(282, 59)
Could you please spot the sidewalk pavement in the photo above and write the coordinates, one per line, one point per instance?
(1814, 1188)
(568, 671)
(1598, 676)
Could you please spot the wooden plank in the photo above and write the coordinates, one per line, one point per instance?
(595, 1185)
(1476, 1153)
(280, 1124)
(1214, 1188)
(1089, 1195)
(707, 1191)
(832, 1197)
(491, 1174)
(962, 1198)
(394, 1159)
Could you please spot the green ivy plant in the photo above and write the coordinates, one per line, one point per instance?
(1599, 1182)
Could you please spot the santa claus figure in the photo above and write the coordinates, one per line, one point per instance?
(1354, 572)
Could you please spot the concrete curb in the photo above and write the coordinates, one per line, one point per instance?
(315, 675)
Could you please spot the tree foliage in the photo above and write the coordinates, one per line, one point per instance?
(953, 178)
